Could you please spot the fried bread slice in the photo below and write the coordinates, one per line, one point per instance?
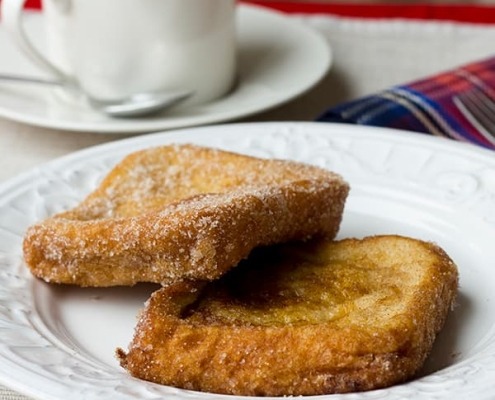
(300, 319)
(183, 212)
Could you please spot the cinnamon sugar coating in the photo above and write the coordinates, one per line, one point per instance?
(183, 212)
(300, 319)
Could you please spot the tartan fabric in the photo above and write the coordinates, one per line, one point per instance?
(434, 105)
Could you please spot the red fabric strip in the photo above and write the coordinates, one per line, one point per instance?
(451, 12)
(33, 4)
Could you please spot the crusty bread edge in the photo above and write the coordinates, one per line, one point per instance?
(71, 252)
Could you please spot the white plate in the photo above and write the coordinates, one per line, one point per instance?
(58, 342)
(279, 59)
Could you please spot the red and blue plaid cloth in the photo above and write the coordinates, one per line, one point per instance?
(437, 105)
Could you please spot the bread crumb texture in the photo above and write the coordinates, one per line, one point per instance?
(308, 318)
(183, 212)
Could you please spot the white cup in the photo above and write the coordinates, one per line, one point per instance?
(115, 48)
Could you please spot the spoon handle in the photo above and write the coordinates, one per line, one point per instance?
(29, 79)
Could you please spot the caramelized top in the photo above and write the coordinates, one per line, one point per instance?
(149, 180)
(306, 283)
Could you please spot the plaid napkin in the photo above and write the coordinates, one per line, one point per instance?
(448, 104)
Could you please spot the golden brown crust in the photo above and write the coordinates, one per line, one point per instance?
(183, 212)
(330, 317)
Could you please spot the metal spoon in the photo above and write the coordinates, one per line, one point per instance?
(137, 105)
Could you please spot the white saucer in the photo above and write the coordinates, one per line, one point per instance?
(279, 59)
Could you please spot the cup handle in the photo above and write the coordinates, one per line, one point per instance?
(12, 21)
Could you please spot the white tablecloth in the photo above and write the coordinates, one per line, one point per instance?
(368, 56)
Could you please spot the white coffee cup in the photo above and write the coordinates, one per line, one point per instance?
(116, 48)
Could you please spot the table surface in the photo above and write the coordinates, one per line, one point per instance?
(369, 55)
